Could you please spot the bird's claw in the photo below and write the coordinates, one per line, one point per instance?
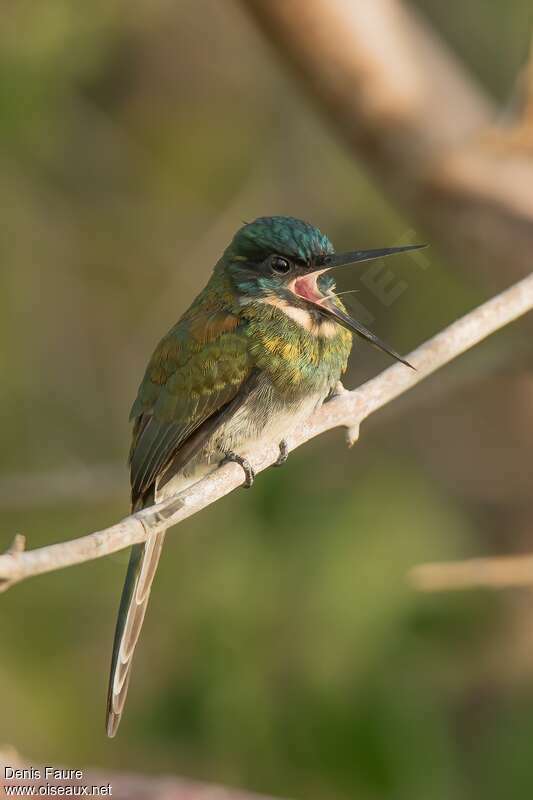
(337, 391)
(283, 453)
(247, 468)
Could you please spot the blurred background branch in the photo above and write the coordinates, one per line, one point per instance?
(502, 572)
(406, 106)
(119, 785)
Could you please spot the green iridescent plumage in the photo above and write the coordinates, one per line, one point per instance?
(189, 377)
(261, 346)
(286, 236)
(201, 363)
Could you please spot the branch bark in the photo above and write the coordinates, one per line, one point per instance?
(405, 105)
(348, 409)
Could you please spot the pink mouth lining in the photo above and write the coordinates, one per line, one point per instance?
(306, 288)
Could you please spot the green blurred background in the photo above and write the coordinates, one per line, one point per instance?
(283, 650)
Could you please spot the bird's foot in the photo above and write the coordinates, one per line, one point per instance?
(336, 391)
(283, 454)
(247, 468)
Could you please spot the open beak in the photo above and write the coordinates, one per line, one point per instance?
(306, 288)
(353, 257)
(329, 309)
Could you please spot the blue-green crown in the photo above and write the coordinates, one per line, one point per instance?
(285, 236)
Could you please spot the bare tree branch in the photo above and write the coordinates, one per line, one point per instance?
(411, 111)
(499, 572)
(406, 106)
(348, 409)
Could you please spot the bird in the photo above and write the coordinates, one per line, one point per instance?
(263, 344)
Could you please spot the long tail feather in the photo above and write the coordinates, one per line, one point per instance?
(142, 566)
(144, 558)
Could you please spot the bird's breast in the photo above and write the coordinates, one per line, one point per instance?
(297, 360)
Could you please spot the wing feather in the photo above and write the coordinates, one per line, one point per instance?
(199, 374)
(188, 379)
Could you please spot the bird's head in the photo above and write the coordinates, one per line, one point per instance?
(287, 262)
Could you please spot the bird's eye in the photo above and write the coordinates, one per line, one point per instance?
(280, 265)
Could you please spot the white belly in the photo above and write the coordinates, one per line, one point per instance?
(270, 430)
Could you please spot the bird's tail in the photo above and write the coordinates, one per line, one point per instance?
(143, 563)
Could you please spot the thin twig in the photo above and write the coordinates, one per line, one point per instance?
(499, 572)
(348, 409)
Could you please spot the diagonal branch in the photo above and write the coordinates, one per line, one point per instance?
(406, 106)
(347, 409)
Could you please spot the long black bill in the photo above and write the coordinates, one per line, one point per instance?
(351, 324)
(344, 259)
(332, 311)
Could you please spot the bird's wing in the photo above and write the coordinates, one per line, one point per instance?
(196, 370)
(199, 374)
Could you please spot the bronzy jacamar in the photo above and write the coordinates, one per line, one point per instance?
(263, 344)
